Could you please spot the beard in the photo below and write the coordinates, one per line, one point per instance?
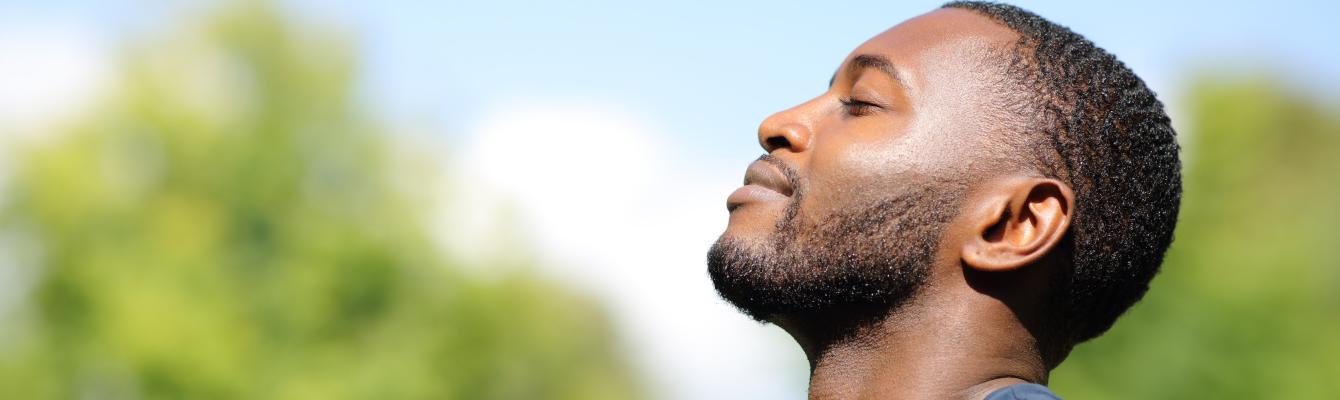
(872, 259)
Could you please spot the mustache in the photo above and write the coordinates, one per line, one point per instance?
(792, 177)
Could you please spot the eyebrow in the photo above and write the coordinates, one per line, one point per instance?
(878, 62)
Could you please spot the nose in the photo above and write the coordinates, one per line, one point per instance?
(786, 130)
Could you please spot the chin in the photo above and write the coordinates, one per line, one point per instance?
(752, 223)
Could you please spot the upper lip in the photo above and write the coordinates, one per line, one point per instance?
(765, 174)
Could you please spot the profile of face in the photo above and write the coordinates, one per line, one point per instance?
(851, 204)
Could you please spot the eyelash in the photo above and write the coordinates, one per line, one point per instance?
(857, 108)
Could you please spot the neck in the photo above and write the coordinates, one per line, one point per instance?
(942, 345)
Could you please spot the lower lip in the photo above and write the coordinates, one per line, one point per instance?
(750, 194)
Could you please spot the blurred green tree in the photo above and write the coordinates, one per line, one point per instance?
(1248, 303)
(230, 225)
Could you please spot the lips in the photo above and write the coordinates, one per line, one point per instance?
(763, 181)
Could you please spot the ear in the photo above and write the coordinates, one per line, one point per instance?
(1016, 223)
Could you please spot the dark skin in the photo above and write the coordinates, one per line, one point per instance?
(908, 104)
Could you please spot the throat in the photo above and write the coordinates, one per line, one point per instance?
(919, 351)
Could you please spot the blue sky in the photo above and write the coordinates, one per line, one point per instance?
(713, 70)
(543, 105)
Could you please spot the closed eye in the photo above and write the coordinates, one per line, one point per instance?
(857, 108)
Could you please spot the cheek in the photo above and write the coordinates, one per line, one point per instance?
(853, 174)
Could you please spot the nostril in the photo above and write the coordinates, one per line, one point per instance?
(777, 142)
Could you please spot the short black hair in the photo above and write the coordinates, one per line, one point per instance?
(1098, 127)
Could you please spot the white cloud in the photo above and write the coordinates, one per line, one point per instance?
(618, 211)
(48, 71)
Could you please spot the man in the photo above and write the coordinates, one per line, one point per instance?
(978, 191)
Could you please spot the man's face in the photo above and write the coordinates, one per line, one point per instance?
(849, 206)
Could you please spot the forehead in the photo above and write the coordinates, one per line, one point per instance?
(936, 41)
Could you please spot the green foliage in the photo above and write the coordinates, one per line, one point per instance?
(1248, 304)
(230, 226)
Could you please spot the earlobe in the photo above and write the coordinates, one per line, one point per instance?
(1017, 222)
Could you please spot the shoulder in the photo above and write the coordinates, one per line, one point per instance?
(1023, 391)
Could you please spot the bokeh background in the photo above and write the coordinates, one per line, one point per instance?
(512, 200)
